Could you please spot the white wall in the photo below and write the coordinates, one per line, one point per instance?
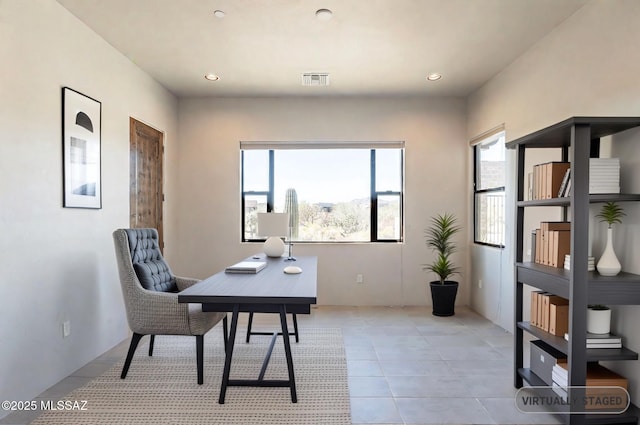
(436, 181)
(57, 263)
(587, 66)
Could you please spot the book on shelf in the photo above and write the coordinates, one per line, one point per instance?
(597, 376)
(549, 312)
(567, 190)
(246, 267)
(560, 390)
(534, 233)
(555, 174)
(611, 345)
(552, 247)
(601, 340)
(534, 307)
(558, 316)
(555, 314)
(559, 246)
(591, 263)
(547, 179)
(604, 175)
(563, 185)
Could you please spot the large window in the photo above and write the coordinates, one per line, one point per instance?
(489, 181)
(350, 192)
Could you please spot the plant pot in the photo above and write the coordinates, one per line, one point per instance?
(598, 321)
(608, 264)
(443, 297)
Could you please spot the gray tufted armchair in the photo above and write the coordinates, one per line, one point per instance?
(150, 293)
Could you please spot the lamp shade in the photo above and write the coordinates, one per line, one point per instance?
(273, 226)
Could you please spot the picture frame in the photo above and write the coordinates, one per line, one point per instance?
(81, 145)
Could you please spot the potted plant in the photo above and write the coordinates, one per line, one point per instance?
(439, 237)
(598, 319)
(608, 264)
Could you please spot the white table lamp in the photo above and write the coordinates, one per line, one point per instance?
(274, 226)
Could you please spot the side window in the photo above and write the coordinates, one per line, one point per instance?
(489, 182)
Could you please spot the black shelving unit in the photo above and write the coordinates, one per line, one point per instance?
(579, 139)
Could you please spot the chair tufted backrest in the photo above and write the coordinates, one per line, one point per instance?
(153, 272)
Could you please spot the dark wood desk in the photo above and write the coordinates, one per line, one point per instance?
(268, 291)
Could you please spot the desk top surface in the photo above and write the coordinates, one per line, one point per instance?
(269, 286)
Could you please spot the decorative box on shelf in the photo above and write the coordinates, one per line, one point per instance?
(543, 358)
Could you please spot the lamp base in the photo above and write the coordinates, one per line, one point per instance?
(274, 247)
(290, 257)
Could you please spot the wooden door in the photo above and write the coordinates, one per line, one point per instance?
(145, 170)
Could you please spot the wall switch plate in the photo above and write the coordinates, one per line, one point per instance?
(359, 278)
(480, 283)
(66, 328)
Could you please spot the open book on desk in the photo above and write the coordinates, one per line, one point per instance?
(246, 267)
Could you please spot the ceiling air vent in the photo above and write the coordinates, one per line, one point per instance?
(315, 79)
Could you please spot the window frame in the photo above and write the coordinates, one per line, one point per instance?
(374, 192)
(496, 189)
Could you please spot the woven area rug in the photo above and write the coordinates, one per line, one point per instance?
(163, 389)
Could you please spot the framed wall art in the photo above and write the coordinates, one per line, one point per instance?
(81, 130)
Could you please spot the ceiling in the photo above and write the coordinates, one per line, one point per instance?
(369, 47)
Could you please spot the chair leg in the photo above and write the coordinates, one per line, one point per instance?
(249, 327)
(199, 357)
(151, 341)
(295, 326)
(135, 339)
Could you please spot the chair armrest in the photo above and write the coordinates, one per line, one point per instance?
(158, 313)
(185, 282)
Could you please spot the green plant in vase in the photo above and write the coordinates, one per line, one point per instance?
(610, 213)
(439, 237)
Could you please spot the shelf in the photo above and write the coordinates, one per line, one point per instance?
(547, 278)
(559, 135)
(623, 289)
(593, 354)
(577, 139)
(630, 416)
(593, 199)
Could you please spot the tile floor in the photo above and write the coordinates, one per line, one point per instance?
(405, 367)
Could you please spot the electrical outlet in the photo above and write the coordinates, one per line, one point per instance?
(359, 278)
(480, 283)
(66, 328)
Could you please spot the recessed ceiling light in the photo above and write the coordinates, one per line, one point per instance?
(218, 13)
(212, 77)
(434, 76)
(324, 14)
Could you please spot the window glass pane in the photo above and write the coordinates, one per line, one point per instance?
(389, 217)
(333, 192)
(388, 170)
(331, 188)
(253, 204)
(256, 170)
(490, 165)
(490, 222)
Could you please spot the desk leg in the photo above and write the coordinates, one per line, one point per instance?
(229, 353)
(287, 350)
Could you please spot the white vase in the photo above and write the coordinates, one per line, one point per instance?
(608, 264)
(598, 321)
